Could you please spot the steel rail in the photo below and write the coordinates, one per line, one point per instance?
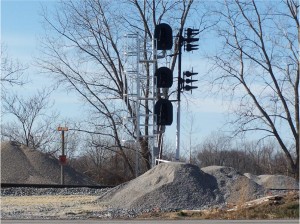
(12, 185)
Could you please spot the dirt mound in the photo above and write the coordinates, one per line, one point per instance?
(20, 164)
(184, 186)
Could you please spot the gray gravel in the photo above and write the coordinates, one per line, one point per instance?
(28, 191)
(20, 164)
(234, 186)
(174, 186)
(274, 181)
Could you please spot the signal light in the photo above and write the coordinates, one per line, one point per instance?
(163, 109)
(164, 77)
(163, 34)
(188, 87)
(189, 74)
(190, 80)
(192, 32)
(191, 47)
(190, 38)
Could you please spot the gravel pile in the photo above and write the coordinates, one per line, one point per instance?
(20, 164)
(274, 181)
(174, 186)
(234, 186)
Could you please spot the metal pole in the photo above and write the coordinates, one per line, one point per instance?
(178, 132)
(178, 97)
(62, 171)
(154, 94)
(137, 106)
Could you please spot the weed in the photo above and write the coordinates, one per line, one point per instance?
(182, 213)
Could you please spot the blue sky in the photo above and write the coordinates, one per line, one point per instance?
(20, 29)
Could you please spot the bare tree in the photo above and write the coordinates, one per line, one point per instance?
(101, 162)
(257, 63)
(30, 122)
(211, 149)
(12, 72)
(264, 157)
(86, 56)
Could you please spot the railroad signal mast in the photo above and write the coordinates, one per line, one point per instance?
(160, 111)
(185, 83)
(163, 107)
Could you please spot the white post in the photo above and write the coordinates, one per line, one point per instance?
(178, 132)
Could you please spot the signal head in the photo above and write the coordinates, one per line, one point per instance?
(192, 32)
(189, 74)
(188, 87)
(163, 34)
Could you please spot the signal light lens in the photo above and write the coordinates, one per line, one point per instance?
(163, 110)
(190, 38)
(190, 80)
(164, 77)
(188, 87)
(163, 34)
(192, 47)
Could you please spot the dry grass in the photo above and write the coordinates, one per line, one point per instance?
(50, 206)
(44, 200)
(285, 207)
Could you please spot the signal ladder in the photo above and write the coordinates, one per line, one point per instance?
(140, 91)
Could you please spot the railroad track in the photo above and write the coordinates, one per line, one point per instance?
(10, 185)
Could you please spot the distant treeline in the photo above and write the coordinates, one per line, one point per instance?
(107, 166)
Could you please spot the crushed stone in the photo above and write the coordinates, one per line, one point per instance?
(183, 186)
(21, 164)
(274, 181)
(234, 186)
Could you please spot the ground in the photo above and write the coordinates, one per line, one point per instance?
(70, 206)
(61, 206)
